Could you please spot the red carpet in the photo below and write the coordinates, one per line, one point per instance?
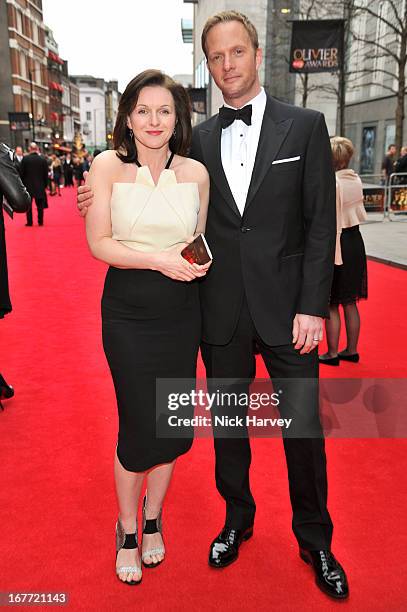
(57, 497)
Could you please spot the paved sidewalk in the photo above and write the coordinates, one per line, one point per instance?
(386, 241)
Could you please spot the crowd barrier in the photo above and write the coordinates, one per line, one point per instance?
(387, 200)
(397, 197)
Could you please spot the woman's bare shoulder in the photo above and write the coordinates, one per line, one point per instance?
(192, 170)
(106, 159)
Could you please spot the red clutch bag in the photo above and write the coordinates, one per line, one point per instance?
(197, 251)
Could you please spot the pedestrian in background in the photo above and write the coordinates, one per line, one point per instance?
(56, 167)
(388, 163)
(78, 170)
(401, 166)
(349, 283)
(68, 170)
(51, 184)
(34, 174)
(18, 157)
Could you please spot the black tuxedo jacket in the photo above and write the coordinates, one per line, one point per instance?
(34, 174)
(281, 252)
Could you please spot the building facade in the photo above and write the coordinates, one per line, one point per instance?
(71, 121)
(68, 131)
(186, 80)
(112, 97)
(56, 90)
(99, 103)
(75, 108)
(370, 104)
(23, 71)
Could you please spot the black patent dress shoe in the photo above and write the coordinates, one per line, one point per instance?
(225, 548)
(330, 576)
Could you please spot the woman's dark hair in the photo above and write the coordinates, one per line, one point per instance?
(124, 143)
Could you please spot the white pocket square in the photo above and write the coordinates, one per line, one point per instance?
(287, 159)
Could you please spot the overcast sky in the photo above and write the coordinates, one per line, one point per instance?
(116, 39)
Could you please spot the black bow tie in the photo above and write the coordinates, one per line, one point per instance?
(228, 115)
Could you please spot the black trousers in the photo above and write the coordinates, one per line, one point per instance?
(305, 456)
(41, 204)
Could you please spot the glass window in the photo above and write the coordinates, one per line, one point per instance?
(87, 99)
(27, 27)
(390, 136)
(19, 22)
(37, 73)
(35, 33)
(23, 66)
(88, 116)
(367, 153)
(26, 105)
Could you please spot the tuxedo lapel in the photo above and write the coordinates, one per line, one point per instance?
(210, 143)
(272, 135)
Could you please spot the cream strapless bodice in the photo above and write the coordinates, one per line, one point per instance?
(150, 217)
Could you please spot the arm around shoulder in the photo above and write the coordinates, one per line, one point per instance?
(202, 178)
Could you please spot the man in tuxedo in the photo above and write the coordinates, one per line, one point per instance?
(34, 174)
(271, 229)
(18, 157)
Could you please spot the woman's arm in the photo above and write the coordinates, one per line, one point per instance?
(338, 252)
(99, 229)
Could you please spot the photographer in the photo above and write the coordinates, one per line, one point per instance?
(17, 199)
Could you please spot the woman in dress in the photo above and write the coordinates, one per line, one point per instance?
(349, 283)
(149, 202)
(56, 168)
(78, 170)
(67, 168)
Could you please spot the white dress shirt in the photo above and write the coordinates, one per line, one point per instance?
(239, 144)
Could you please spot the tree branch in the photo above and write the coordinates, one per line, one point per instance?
(378, 45)
(402, 24)
(366, 9)
(379, 85)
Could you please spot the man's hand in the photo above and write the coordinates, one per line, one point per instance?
(307, 332)
(84, 197)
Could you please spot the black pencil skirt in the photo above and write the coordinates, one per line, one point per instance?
(350, 279)
(151, 328)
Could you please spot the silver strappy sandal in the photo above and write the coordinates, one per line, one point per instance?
(151, 526)
(126, 540)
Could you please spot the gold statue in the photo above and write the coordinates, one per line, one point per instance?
(79, 146)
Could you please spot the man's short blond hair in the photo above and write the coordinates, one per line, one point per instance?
(342, 152)
(225, 17)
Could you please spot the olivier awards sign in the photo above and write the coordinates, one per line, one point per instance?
(317, 46)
